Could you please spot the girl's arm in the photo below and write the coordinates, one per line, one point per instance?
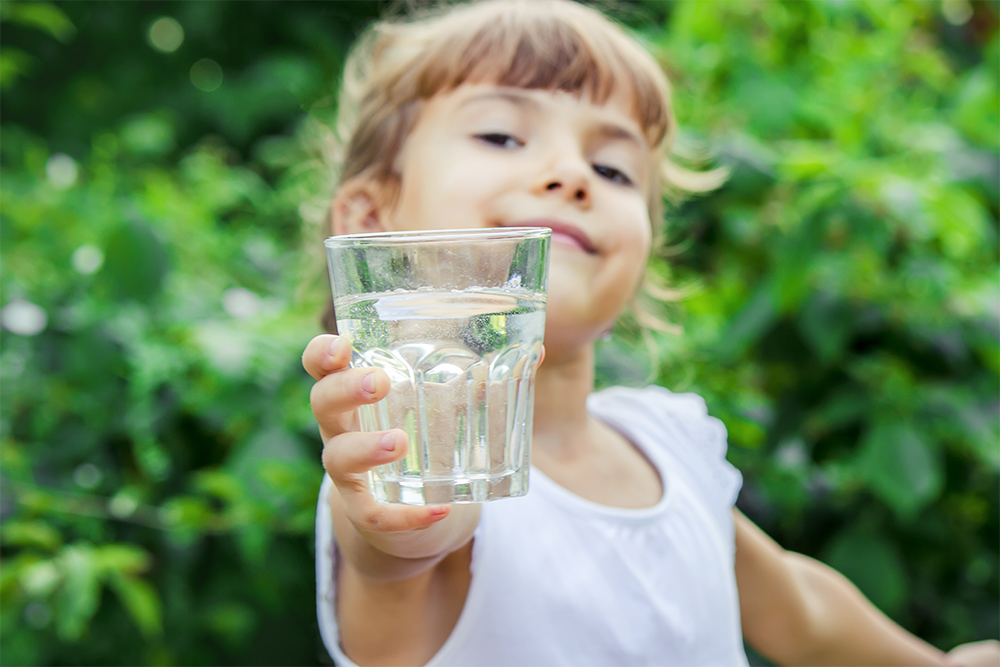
(403, 572)
(798, 611)
(382, 543)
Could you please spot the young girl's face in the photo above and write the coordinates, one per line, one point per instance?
(489, 156)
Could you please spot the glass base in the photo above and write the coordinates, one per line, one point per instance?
(417, 491)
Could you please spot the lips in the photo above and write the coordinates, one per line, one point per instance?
(564, 234)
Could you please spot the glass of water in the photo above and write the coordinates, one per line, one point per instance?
(455, 318)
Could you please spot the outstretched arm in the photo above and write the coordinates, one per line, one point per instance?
(798, 611)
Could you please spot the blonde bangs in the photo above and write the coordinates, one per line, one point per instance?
(539, 45)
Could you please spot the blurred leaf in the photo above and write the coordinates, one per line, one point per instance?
(39, 578)
(135, 263)
(14, 64)
(42, 15)
(871, 562)
(750, 322)
(976, 107)
(843, 406)
(825, 323)
(808, 159)
(148, 134)
(30, 533)
(901, 466)
(959, 220)
(141, 601)
(232, 622)
(79, 595)
(769, 102)
(125, 559)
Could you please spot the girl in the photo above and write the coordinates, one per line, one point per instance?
(628, 549)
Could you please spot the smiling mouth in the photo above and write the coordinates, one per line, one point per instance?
(564, 234)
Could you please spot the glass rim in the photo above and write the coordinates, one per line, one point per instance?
(437, 236)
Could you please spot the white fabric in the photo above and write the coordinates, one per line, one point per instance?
(558, 580)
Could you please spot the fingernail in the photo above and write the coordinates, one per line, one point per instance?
(368, 383)
(388, 441)
(439, 510)
(335, 345)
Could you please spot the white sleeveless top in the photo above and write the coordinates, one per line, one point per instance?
(559, 580)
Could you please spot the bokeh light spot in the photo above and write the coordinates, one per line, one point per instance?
(37, 615)
(61, 171)
(166, 35)
(240, 303)
(206, 75)
(23, 317)
(956, 12)
(87, 476)
(86, 259)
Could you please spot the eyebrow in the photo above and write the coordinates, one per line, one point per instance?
(617, 132)
(607, 130)
(515, 98)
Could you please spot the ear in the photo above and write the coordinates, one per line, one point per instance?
(358, 207)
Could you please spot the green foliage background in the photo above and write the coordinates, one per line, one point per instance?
(160, 463)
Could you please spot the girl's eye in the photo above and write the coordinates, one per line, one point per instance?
(500, 140)
(612, 174)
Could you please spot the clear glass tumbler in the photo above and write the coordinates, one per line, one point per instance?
(455, 318)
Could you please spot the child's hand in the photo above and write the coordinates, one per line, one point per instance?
(975, 654)
(347, 453)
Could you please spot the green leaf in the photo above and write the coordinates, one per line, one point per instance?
(135, 264)
(825, 323)
(806, 160)
(121, 558)
(78, 598)
(14, 64)
(901, 466)
(231, 621)
(746, 328)
(844, 406)
(141, 601)
(42, 15)
(959, 220)
(39, 579)
(254, 541)
(872, 564)
(30, 533)
(149, 134)
(186, 512)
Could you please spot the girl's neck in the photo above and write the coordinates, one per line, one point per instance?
(561, 390)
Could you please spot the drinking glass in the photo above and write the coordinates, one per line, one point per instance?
(455, 318)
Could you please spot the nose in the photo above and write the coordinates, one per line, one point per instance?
(568, 180)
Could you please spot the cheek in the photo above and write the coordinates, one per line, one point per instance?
(637, 238)
(632, 258)
(456, 196)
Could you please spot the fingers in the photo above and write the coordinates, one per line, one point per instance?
(348, 457)
(370, 517)
(352, 454)
(335, 397)
(326, 354)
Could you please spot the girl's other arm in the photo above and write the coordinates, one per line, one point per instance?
(798, 611)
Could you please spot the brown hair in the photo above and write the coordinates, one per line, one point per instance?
(535, 44)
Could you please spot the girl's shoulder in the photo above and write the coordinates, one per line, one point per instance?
(675, 425)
